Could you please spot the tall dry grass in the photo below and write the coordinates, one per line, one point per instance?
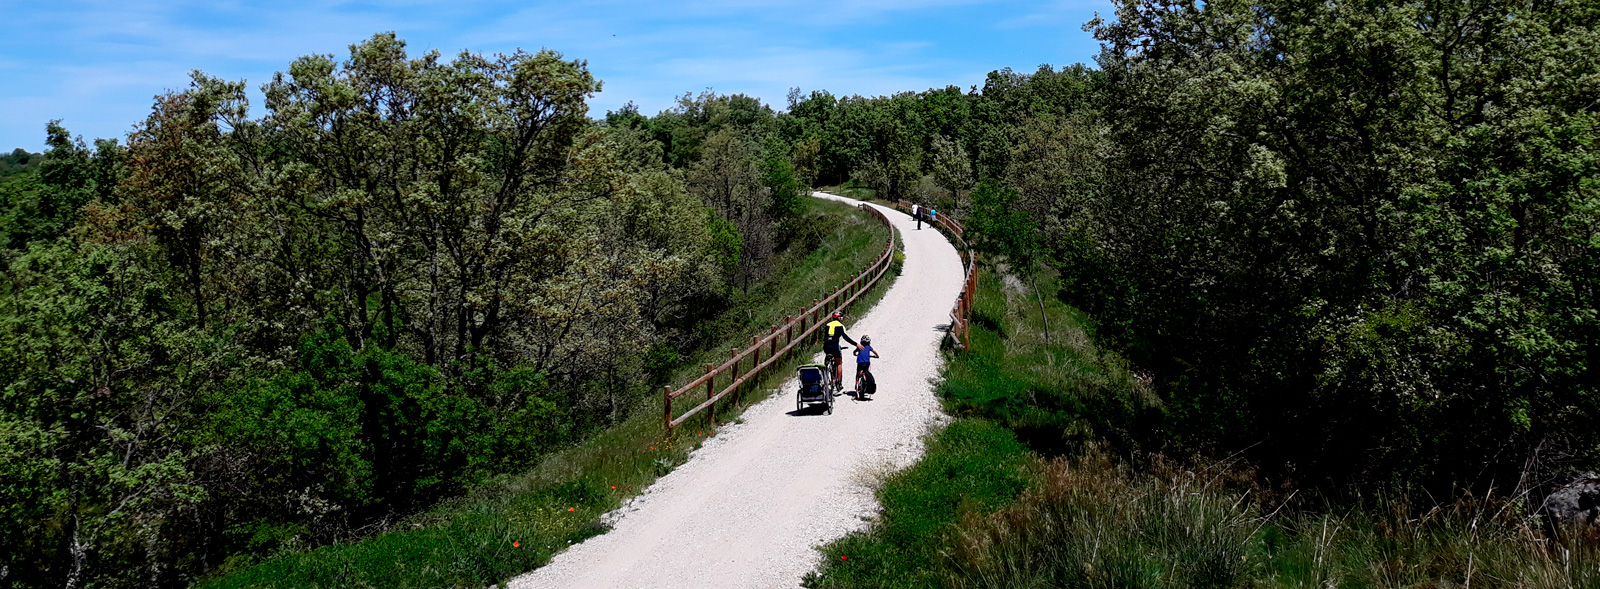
(1395, 541)
(1092, 522)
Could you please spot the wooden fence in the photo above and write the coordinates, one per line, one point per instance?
(798, 331)
(961, 314)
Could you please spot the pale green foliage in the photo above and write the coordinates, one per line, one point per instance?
(952, 169)
(728, 178)
(730, 157)
(1054, 165)
(95, 425)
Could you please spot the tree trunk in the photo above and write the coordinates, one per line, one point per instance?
(195, 287)
(79, 551)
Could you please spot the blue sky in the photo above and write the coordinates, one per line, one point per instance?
(96, 65)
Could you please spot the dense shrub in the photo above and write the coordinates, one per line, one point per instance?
(1359, 233)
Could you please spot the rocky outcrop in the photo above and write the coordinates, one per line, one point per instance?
(1577, 502)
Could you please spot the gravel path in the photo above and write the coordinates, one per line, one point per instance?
(752, 504)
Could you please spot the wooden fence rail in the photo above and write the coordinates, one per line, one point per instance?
(747, 365)
(961, 314)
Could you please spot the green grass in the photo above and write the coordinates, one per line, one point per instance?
(1046, 478)
(516, 523)
(1054, 396)
(851, 190)
(971, 466)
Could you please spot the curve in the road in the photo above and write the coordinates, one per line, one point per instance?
(751, 506)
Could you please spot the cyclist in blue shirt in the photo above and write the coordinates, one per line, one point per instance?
(864, 356)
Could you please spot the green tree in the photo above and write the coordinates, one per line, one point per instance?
(19, 161)
(1001, 228)
(184, 179)
(47, 203)
(99, 380)
(1351, 229)
(240, 335)
(951, 168)
(728, 177)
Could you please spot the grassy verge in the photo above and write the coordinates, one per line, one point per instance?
(973, 465)
(1048, 477)
(516, 523)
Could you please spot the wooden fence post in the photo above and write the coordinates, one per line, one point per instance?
(733, 354)
(711, 391)
(755, 362)
(805, 322)
(816, 307)
(666, 397)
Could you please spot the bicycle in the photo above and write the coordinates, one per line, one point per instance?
(831, 365)
(866, 385)
(860, 375)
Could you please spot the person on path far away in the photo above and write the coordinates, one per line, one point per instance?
(916, 212)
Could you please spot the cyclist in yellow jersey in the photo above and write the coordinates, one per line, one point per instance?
(832, 333)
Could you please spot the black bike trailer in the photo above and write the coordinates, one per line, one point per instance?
(813, 388)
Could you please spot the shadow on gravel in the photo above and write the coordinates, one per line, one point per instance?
(810, 410)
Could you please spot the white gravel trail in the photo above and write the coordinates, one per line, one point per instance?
(751, 506)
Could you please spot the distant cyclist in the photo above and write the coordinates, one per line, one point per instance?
(864, 355)
(833, 332)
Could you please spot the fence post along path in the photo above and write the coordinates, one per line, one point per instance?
(751, 505)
